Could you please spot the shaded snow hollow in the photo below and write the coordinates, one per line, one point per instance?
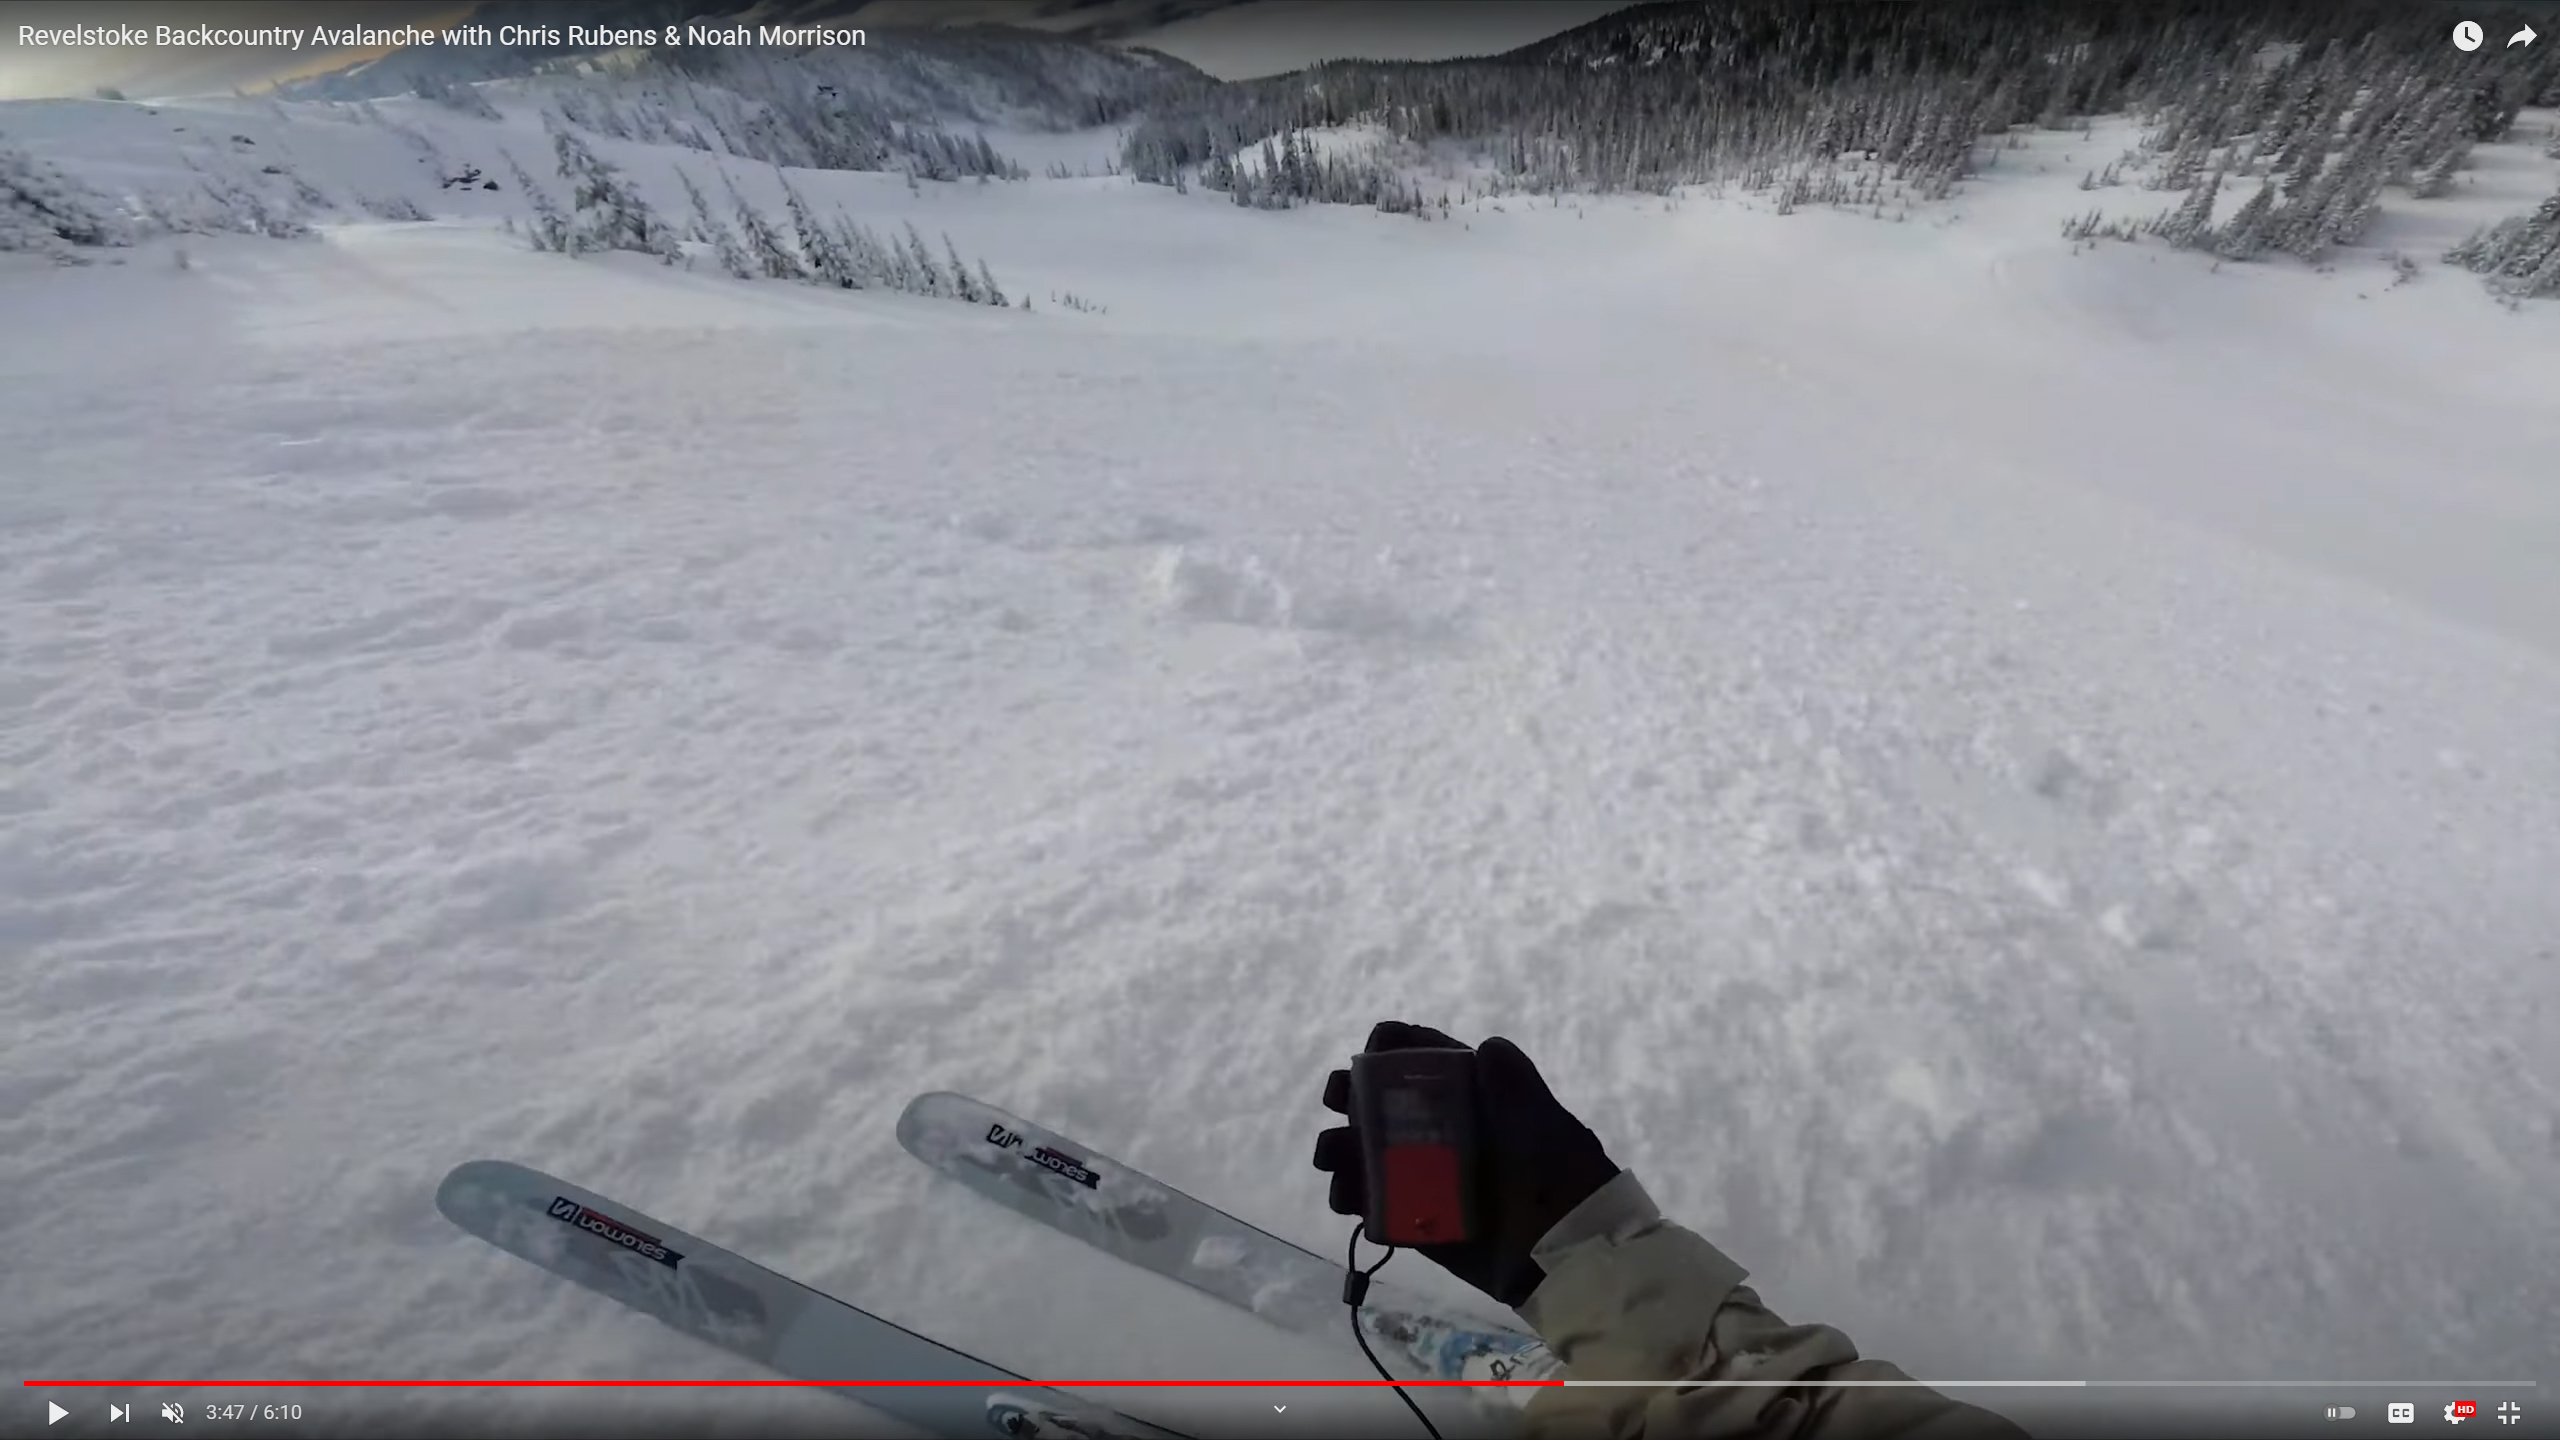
(2014, 788)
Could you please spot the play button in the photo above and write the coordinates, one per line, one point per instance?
(53, 1413)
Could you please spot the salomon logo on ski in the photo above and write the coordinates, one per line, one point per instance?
(1047, 1156)
(1069, 1166)
(647, 1247)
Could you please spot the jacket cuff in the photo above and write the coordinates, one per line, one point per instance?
(1613, 1260)
(1619, 1206)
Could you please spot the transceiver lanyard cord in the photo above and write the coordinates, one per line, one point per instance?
(1355, 1288)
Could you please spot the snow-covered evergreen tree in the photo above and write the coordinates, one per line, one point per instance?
(2192, 223)
(766, 249)
(862, 254)
(2246, 236)
(905, 276)
(44, 210)
(548, 229)
(608, 213)
(827, 260)
(2520, 255)
(712, 231)
(929, 277)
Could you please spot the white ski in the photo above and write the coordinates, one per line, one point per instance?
(714, 1295)
(1130, 1215)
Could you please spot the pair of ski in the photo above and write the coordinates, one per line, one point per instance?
(717, 1296)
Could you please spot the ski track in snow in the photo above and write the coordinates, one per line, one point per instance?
(2045, 912)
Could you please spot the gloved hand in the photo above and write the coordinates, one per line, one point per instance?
(1537, 1162)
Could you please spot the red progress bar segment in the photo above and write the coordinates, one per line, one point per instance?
(750, 1384)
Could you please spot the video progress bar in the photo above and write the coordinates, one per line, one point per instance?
(1681, 1384)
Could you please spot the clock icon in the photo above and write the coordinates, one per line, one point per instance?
(2466, 36)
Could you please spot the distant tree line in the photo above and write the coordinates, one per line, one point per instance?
(2323, 130)
(882, 107)
(607, 213)
(2520, 256)
(989, 74)
(1686, 94)
(804, 127)
(1290, 168)
(2324, 103)
(47, 211)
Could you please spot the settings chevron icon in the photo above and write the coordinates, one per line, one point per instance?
(2457, 1411)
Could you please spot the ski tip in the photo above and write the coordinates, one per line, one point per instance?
(916, 1120)
(464, 1184)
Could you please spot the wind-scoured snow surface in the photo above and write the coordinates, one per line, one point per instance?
(2019, 791)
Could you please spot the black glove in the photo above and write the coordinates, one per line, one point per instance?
(1537, 1162)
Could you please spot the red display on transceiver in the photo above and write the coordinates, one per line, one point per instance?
(1415, 1111)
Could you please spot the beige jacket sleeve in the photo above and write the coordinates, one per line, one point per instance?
(1631, 1296)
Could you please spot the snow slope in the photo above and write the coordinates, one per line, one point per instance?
(2014, 788)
